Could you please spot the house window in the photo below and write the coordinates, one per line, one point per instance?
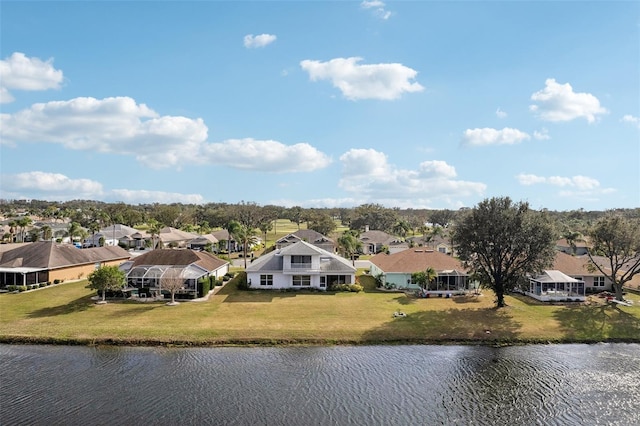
(598, 281)
(442, 250)
(266, 279)
(301, 280)
(323, 281)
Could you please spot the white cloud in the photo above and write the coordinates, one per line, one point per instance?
(541, 135)
(266, 155)
(367, 173)
(578, 181)
(378, 8)
(489, 136)
(374, 81)
(579, 187)
(500, 113)
(262, 40)
(18, 72)
(49, 186)
(121, 126)
(141, 197)
(558, 102)
(631, 119)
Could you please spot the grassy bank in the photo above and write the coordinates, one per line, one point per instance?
(67, 314)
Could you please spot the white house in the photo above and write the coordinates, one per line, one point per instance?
(299, 265)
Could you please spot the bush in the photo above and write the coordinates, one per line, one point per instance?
(48, 283)
(56, 281)
(22, 288)
(42, 285)
(242, 281)
(12, 287)
(354, 288)
(204, 286)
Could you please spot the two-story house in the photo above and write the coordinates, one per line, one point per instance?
(297, 266)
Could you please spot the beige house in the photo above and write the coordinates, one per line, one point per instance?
(47, 261)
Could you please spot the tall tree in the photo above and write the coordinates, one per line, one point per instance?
(107, 278)
(154, 230)
(322, 223)
(617, 239)
(424, 278)
(502, 241)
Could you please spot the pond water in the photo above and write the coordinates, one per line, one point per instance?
(343, 385)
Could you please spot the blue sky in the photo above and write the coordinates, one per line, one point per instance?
(410, 104)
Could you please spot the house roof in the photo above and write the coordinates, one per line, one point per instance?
(117, 231)
(414, 260)
(311, 236)
(573, 265)
(51, 255)
(221, 235)
(179, 257)
(377, 237)
(273, 261)
(564, 243)
(553, 276)
(168, 234)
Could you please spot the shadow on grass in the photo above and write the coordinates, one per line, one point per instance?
(598, 322)
(405, 300)
(468, 298)
(78, 305)
(449, 325)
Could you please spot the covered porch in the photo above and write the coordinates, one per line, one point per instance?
(554, 286)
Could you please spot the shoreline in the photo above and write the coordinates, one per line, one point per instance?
(109, 342)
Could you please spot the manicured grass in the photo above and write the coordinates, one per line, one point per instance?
(66, 313)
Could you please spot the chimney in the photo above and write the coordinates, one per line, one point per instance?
(366, 228)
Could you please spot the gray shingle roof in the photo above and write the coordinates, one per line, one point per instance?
(51, 255)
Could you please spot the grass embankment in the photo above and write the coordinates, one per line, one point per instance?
(67, 314)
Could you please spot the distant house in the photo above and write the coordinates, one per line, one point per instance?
(396, 270)
(310, 236)
(553, 285)
(172, 237)
(578, 267)
(117, 235)
(202, 242)
(436, 243)
(373, 242)
(579, 248)
(146, 271)
(47, 261)
(227, 241)
(298, 266)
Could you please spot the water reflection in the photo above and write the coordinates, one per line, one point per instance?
(374, 385)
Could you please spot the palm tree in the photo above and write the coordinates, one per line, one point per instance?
(154, 230)
(47, 233)
(23, 222)
(431, 275)
(74, 230)
(246, 236)
(350, 244)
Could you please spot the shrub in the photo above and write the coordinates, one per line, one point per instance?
(42, 285)
(242, 281)
(48, 283)
(22, 288)
(204, 286)
(56, 281)
(354, 288)
(12, 287)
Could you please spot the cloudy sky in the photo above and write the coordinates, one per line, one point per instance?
(423, 104)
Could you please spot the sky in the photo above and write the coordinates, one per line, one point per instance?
(407, 104)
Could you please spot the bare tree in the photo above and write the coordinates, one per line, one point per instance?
(172, 280)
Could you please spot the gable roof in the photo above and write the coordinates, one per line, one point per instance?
(169, 234)
(414, 260)
(273, 261)
(51, 255)
(181, 257)
(311, 236)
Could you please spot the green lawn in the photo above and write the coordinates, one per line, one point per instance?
(66, 313)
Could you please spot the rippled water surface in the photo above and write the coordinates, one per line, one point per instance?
(372, 385)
